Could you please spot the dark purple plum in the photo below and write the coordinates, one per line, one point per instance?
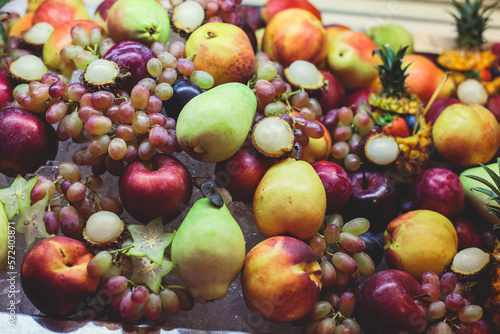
(374, 246)
(103, 9)
(184, 91)
(134, 57)
(26, 142)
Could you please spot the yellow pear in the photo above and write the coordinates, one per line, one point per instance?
(290, 199)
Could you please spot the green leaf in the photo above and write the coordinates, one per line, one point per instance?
(149, 272)
(494, 176)
(485, 191)
(149, 240)
(30, 220)
(19, 188)
(485, 182)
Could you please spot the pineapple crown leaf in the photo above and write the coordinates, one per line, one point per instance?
(392, 74)
(3, 33)
(471, 21)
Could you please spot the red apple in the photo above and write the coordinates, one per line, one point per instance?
(158, 187)
(467, 232)
(281, 279)
(26, 142)
(437, 108)
(385, 304)
(336, 182)
(5, 90)
(241, 173)
(54, 276)
(493, 105)
(333, 94)
(354, 99)
(440, 190)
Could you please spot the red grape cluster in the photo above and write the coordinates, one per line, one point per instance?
(220, 10)
(130, 300)
(447, 306)
(80, 196)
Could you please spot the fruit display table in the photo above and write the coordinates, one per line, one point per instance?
(361, 173)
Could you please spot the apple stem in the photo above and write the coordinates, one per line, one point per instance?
(428, 294)
(191, 57)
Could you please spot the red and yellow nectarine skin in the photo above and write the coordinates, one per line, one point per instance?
(295, 34)
(281, 279)
(54, 275)
(420, 241)
(57, 12)
(273, 7)
(466, 135)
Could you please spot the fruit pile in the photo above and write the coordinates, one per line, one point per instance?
(156, 156)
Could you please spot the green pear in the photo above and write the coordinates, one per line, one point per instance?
(213, 125)
(477, 199)
(393, 34)
(208, 250)
(144, 21)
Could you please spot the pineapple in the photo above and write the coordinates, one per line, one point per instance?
(393, 101)
(492, 304)
(469, 57)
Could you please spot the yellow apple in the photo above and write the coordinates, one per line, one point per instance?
(223, 50)
(420, 241)
(466, 135)
(281, 279)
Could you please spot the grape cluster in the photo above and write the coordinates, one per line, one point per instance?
(130, 300)
(447, 306)
(73, 199)
(219, 10)
(347, 129)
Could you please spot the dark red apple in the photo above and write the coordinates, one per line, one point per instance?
(467, 232)
(477, 327)
(385, 304)
(134, 57)
(495, 49)
(440, 190)
(26, 142)
(333, 94)
(5, 90)
(437, 107)
(101, 12)
(336, 182)
(241, 173)
(158, 187)
(375, 196)
(493, 105)
(354, 99)
(54, 276)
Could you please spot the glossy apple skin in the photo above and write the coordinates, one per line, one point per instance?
(385, 305)
(184, 91)
(354, 99)
(467, 232)
(134, 57)
(440, 190)
(493, 105)
(54, 276)
(336, 182)
(281, 279)
(374, 196)
(158, 187)
(241, 173)
(437, 108)
(5, 90)
(26, 142)
(333, 95)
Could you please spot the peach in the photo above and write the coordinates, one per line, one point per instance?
(424, 77)
(57, 12)
(54, 275)
(295, 34)
(281, 279)
(466, 135)
(273, 7)
(420, 241)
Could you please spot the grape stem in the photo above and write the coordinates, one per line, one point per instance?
(427, 294)
(175, 286)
